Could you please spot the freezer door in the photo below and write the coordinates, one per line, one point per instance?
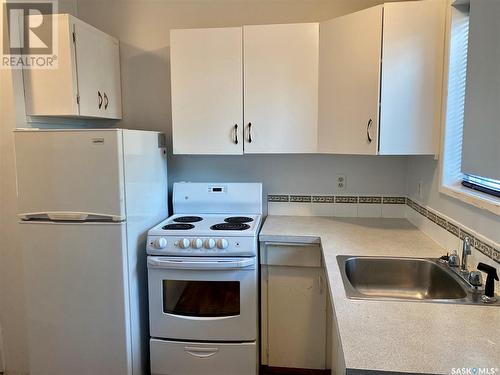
(70, 174)
(77, 302)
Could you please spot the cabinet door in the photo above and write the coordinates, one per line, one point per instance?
(53, 92)
(281, 88)
(91, 71)
(349, 69)
(111, 84)
(207, 91)
(296, 326)
(412, 68)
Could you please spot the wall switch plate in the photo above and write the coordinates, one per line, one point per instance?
(341, 182)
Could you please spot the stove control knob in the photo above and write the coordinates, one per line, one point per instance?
(209, 243)
(222, 243)
(196, 243)
(184, 243)
(160, 243)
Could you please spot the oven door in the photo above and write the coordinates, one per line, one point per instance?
(194, 298)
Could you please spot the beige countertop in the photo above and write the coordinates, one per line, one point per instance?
(412, 337)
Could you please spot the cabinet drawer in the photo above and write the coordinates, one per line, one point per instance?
(194, 358)
(291, 254)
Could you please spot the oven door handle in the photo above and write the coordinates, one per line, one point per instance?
(200, 352)
(205, 264)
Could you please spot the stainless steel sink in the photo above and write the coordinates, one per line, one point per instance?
(392, 278)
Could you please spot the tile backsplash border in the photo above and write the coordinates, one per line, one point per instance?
(345, 202)
(479, 242)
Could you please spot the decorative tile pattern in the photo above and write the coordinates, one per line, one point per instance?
(453, 229)
(456, 230)
(323, 199)
(393, 200)
(300, 198)
(347, 205)
(484, 248)
(432, 216)
(346, 199)
(370, 200)
(496, 255)
(277, 198)
(422, 210)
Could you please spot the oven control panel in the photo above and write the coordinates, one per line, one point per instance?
(201, 246)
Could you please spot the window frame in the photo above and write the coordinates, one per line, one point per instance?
(450, 173)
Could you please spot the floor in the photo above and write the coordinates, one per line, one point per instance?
(264, 370)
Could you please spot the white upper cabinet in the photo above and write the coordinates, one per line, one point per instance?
(382, 64)
(281, 88)
(366, 83)
(412, 77)
(86, 82)
(207, 91)
(349, 85)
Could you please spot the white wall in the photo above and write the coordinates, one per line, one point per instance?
(143, 29)
(426, 169)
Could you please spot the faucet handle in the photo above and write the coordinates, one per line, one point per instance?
(453, 260)
(475, 278)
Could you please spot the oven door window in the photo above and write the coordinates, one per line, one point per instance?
(201, 298)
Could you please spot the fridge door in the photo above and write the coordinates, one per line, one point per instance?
(77, 298)
(70, 174)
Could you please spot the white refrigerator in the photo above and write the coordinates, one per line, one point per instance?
(86, 199)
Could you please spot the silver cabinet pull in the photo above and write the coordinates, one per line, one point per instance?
(249, 132)
(99, 97)
(368, 126)
(235, 136)
(106, 101)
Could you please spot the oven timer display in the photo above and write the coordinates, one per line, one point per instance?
(217, 189)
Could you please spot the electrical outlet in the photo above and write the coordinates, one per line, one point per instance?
(341, 182)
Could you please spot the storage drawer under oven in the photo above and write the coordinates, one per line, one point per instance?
(209, 299)
(188, 358)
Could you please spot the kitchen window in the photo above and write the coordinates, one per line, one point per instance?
(470, 166)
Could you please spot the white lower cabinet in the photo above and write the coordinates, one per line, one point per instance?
(294, 303)
(189, 358)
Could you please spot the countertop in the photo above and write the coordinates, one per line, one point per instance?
(394, 336)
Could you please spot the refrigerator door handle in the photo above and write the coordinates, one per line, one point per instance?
(69, 216)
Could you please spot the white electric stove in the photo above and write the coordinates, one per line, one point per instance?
(205, 235)
(203, 281)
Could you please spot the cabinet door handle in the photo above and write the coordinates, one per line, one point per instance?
(99, 97)
(249, 132)
(368, 126)
(235, 135)
(106, 101)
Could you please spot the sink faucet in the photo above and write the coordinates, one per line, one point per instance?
(465, 251)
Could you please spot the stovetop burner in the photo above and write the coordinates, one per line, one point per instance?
(178, 226)
(230, 226)
(188, 219)
(238, 219)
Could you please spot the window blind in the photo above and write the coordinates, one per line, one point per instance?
(481, 133)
